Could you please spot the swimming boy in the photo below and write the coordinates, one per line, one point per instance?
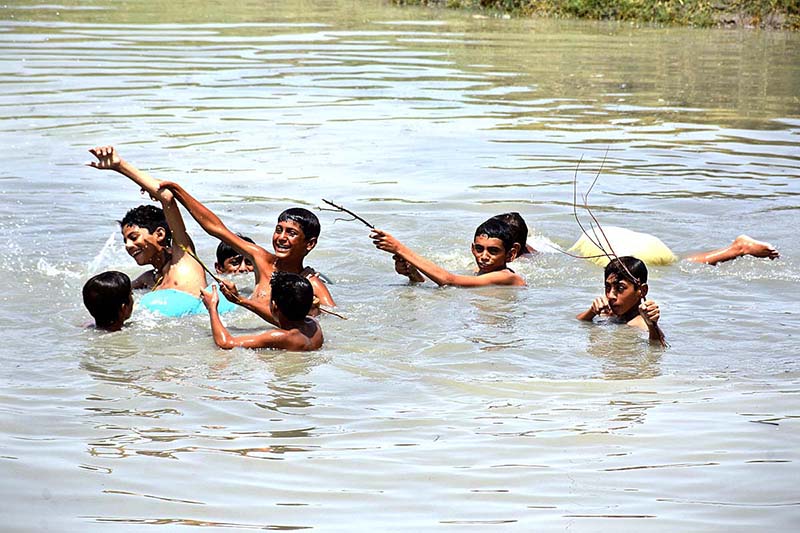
(295, 235)
(109, 298)
(493, 248)
(625, 290)
(154, 236)
(291, 296)
(230, 261)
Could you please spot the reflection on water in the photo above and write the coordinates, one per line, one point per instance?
(428, 407)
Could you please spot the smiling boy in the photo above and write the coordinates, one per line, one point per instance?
(294, 237)
(154, 236)
(493, 247)
(624, 301)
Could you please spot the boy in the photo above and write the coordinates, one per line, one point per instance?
(109, 298)
(295, 235)
(230, 261)
(493, 247)
(291, 296)
(155, 236)
(625, 290)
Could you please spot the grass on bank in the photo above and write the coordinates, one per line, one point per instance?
(775, 14)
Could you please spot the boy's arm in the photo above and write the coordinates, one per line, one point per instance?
(270, 339)
(440, 276)
(259, 307)
(599, 307)
(214, 226)
(321, 291)
(109, 159)
(650, 312)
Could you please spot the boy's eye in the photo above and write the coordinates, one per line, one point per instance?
(478, 248)
(493, 250)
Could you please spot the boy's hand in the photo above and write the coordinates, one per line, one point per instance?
(168, 185)
(384, 241)
(210, 298)
(230, 291)
(404, 268)
(107, 158)
(650, 312)
(600, 306)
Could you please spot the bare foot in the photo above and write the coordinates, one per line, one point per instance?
(750, 246)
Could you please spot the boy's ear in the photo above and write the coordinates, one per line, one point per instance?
(217, 268)
(643, 289)
(513, 252)
(310, 244)
(161, 235)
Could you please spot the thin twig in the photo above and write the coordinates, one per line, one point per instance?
(332, 313)
(344, 210)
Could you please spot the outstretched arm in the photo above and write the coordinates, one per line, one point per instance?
(109, 159)
(214, 226)
(259, 307)
(440, 276)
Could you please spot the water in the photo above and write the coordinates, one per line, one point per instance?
(429, 409)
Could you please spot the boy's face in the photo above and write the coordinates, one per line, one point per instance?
(142, 245)
(622, 295)
(238, 264)
(289, 241)
(489, 253)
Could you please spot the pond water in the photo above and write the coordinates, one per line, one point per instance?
(429, 409)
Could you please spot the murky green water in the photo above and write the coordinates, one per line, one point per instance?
(429, 409)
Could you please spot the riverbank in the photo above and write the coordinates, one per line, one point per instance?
(766, 14)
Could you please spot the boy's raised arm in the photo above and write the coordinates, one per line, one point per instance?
(210, 222)
(109, 159)
(440, 276)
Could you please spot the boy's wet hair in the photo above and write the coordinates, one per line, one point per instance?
(105, 294)
(623, 267)
(496, 228)
(304, 218)
(292, 293)
(149, 217)
(226, 251)
(518, 228)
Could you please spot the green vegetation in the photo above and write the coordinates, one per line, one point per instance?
(784, 14)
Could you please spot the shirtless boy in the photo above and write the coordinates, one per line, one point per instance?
(493, 248)
(154, 236)
(291, 297)
(624, 301)
(294, 237)
(108, 297)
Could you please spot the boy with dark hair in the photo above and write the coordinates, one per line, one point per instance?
(624, 301)
(230, 260)
(493, 248)
(154, 236)
(108, 297)
(291, 298)
(295, 235)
